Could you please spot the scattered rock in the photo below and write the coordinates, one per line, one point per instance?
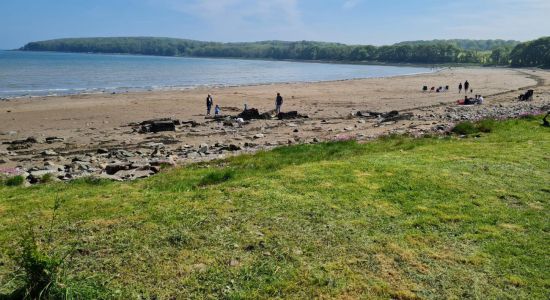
(48, 153)
(259, 136)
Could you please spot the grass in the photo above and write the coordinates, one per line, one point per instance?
(399, 218)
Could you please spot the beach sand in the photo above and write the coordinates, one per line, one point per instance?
(87, 122)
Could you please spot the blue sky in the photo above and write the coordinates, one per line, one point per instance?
(348, 21)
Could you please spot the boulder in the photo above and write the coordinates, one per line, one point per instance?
(252, 114)
(37, 176)
(290, 115)
(112, 169)
(158, 125)
(203, 148)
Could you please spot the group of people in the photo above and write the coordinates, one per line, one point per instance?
(478, 99)
(209, 104)
(438, 90)
(218, 110)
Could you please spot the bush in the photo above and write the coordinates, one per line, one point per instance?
(465, 128)
(15, 181)
(217, 177)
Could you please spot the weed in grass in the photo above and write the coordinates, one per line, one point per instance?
(486, 126)
(465, 128)
(47, 178)
(91, 181)
(217, 177)
(15, 181)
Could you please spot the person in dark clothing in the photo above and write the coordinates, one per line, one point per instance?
(278, 103)
(209, 103)
(466, 86)
(460, 88)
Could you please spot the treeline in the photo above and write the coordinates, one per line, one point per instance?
(531, 54)
(477, 45)
(423, 52)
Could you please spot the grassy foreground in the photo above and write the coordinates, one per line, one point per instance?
(399, 218)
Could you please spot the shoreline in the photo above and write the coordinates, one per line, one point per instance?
(213, 87)
(62, 92)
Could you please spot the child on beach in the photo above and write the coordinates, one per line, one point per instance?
(217, 110)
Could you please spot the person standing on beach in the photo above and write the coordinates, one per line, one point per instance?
(466, 86)
(278, 103)
(209, 103)
(460, 88)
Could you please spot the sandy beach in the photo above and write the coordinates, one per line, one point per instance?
(85, 123)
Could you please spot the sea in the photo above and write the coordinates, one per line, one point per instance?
(28, 74)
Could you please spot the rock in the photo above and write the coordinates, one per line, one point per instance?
(29, 140)
(158, 125)
(54, 139)
(259, 136)
(253, 113)
(49, 153)
(37, 176)
(107, 176)
(193, 155)
(203, 148)
(16, 147)
(160, 162)
(102, 151)
(121, 154)
(133, 174)
(4, 160)
(233, 147)
(112, 169)
(316, 140)
(290, 115)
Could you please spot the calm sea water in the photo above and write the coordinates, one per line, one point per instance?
(42, 73)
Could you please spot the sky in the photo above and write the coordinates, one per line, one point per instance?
(374, 22)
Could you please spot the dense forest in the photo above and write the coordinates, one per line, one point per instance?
(486, 52)
(531, 54)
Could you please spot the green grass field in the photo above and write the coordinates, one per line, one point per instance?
(397, 218)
